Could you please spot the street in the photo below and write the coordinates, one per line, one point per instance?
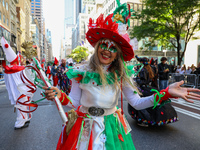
(45, 127)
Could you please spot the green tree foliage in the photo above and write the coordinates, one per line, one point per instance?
(79, 53)
(168, 22)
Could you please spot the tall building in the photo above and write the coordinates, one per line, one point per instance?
(69, 21)
(78, 34)
(35, 30)
(37, 12)
(49, 53)
(13, 24)
(24, 17)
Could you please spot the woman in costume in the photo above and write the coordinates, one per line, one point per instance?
(150, 116)
(97, 123)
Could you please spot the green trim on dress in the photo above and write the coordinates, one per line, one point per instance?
(87, 76)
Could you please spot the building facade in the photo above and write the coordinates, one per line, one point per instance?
(4, 24)
(49, 53)
(37, 12)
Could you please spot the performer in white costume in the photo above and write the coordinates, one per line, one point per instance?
(17, 91)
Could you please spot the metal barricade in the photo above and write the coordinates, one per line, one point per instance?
(198, 80)
(190, 80)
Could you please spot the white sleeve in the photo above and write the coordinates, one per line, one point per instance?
(75, 94)
(135, 100)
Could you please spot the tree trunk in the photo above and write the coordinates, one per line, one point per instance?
(178, 49)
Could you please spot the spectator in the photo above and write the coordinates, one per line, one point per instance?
(183, 69)
(54, 71)
(193, 68)
(178, 70)
(188, 71)
(197, 69)
(163, 73)
(62, 77)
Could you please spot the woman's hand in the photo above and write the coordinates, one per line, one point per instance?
(51, 92)
(185, 93)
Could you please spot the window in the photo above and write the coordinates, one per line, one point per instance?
(6, 5)
(3, 3)
(37, 6)
(135, 7)
(32, 6)
(7, 22)
(4, 19)
(0, 15)
(37, 3)
(32, 12)
(37, 0)
(140, 7)
(32, 9)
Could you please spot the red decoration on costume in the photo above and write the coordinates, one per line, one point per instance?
(6, 45)
(55, 61)
(64, 99)
(13, 69)
(79, 78)
(162, 113)
(15, 61)
(48, 70)
(120, 137)
(70, 141)
(165, 97)
(55, 80)
(43, 60)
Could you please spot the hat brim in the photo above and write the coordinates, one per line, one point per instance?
(95, 34)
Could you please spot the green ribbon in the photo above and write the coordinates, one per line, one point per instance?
(159, 97)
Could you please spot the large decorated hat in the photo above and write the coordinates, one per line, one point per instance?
(112, 27)
(11, 57)
(10, 54)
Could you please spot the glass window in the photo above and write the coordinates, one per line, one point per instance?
(7, 22)
(135, 7)
(32, 9)
(0, 15)
(37, 3)
(4, 19)
(37, 0)
(32, 6)
(3, 3)
(32, 12)
(6, 5)
(37, 6)
(140, 7)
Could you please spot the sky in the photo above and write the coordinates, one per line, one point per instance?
(53, 12)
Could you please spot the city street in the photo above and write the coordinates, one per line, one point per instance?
(45, 127)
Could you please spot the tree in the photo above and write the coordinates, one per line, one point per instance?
(168, 22)
(79, 53)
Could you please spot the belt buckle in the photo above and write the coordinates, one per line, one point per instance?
(94, 111)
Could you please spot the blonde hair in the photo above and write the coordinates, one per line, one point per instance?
(116, 67)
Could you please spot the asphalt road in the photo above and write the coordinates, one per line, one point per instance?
(45, 127)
